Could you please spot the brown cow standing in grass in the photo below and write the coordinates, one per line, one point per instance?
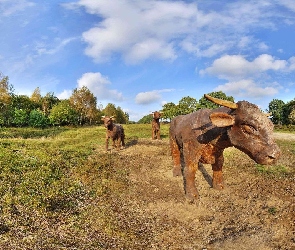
(114, 131)
(202, 136)
(156, 125)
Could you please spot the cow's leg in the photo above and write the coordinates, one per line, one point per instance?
(107, 143)
(123, 140)
(153, 134)
(119, 143)
(114, 143)
(218, 182)
(175, 152)
(191, 165)
(158, 135)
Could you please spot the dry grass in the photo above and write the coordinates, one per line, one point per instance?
(62, 191)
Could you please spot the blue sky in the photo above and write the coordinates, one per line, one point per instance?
(140, 54)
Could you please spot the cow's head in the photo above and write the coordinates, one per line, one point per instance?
(107, 120)
(249, 129)
(156, 115)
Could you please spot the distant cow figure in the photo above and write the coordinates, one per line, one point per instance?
(114, 131)
(202, 136)
(156, 125)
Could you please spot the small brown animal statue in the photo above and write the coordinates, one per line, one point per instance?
(202, 136)
(156, 125)
(114, 131)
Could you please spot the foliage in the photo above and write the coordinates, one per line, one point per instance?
(37, 119)
(275, 107)
(84, 102)
(146, 119)
(169, 110)
(204, 103)
(187, 105)
(63, 114)
(291, 117)
(117, 112)
(20, 118)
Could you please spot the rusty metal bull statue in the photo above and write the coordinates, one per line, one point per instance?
(114, 131)
(156, 125)
(202, 136)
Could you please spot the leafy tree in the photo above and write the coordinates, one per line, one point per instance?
(291, 117)
(63, 114)
(287, 109)
(36, 98)
(204, 103)
(275, 107)
(187, 105)
(84, 102)
(110, 110)
(6, 91)
(20, 118)
(146, 119)
(37, 119)
(169, 110)
(48, 101)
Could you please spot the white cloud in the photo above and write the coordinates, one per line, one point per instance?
(237, 67)
(8, 8)
(64, 95)
(150, 96)
(98, 85)
(247, 88)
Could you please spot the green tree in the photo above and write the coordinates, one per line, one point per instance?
(20, 118)
(204, 103)
(291, 117)
(5, 100)
(187, 105)
(275, 107)
(169, 110)
(37, 119)
(110, 110)
(287, 109)
(62, 113)
(146, 119)
(48, 101)
(84, 102)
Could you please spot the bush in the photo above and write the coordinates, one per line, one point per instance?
(37, 119)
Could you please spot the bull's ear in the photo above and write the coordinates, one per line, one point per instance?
(222, 119)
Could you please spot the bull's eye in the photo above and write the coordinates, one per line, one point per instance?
(248, 129)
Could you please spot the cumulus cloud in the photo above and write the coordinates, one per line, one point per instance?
(236, 66)
(98, 85)
(64, 95)
(139, 30)
(247, 88)
(150, 96)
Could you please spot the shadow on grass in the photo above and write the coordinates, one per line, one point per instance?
(204, 172)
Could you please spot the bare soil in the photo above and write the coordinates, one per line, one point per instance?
(255, 211)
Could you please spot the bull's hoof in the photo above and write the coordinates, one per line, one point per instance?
(193, 198)
(219, 186)
(177, 171)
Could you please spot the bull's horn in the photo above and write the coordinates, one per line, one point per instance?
(221, 102)
(103, 116)
(112, 116)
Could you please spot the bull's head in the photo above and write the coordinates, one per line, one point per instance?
(156, 115)
(249, 129)
(107, 120)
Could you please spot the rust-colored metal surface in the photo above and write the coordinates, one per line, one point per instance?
(115, 132)
(202, 136)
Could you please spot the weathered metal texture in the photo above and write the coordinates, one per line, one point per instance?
(115, 132)
(202, 136)
(156, 125)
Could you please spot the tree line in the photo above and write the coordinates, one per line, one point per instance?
(42, 111)
(81, 108)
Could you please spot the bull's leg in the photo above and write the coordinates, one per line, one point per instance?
(119, 143)
(218, 182)
(114, 143)
(153, 134)
(123, 140)
(107, 143)
(189, 172)
(175, 152)
(158, 135)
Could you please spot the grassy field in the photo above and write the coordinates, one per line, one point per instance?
(60, 190)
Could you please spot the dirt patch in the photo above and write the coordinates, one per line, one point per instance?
(255, 211)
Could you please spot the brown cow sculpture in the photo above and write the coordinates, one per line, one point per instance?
(156, 125)
(114, 131)
(202, 136)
